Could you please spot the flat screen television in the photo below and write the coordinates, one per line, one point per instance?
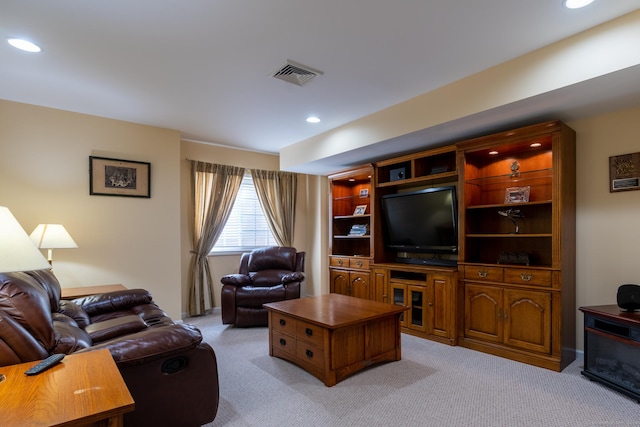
(424, 221)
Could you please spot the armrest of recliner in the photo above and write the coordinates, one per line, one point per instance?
(151, 344)
(113, 301)
(292, 277)
(236, 280)
(74, 311)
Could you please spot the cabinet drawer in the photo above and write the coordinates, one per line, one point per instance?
(524, 276)
(283, 342)
(492, 274)
(311, 354)
(339, 262)
(310, 333)
(359, 263)
(282, 323)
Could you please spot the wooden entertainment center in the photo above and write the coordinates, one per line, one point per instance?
(511, 292)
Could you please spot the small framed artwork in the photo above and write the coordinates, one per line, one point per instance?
(115, 177)
(624, 172)
(364, 192)
(360, 210)
(517, 194)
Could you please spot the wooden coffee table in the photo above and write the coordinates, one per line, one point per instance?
(333, 336)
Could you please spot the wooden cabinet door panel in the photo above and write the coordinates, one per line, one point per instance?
(527, 320)
(339, 281)
(440, 305)
(360, 284)
(483, 313)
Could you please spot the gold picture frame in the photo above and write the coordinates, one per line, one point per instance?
(517, 194)
(360, 210)
(116, 177)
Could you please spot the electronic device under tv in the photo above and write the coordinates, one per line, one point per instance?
(424, 221)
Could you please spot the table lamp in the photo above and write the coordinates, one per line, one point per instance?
(17, 252)
(50, 237)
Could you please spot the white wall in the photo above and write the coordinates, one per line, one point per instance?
(44, 178)
(607, 224)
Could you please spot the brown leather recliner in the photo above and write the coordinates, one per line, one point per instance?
(265, 275)
(172, 375)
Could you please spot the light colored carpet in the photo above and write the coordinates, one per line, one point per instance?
(433, 385)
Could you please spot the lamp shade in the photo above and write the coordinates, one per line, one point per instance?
(17, 251)
(52, 236)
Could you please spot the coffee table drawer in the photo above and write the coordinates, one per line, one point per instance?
(284, 342)
(307, 353)
(283, 323)
(310, 333)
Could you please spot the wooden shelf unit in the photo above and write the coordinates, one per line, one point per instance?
(522, 310)
(351, 254)
(493, 301)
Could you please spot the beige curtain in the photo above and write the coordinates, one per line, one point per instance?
(214, 190)
(277, 195)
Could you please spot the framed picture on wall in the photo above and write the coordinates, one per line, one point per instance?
(116, 177)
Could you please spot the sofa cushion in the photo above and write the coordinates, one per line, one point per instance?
(50, 284)
(117, 327)
(250, 296)
(113, 301)
(69, 338)
(24, 300)
(273, 258)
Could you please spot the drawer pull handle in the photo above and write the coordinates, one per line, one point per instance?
(283, 322)
(308, 331)
(483, 273)
(283, 342)
(339, 262)
(526, 277)
(309, 354)
(359, 263)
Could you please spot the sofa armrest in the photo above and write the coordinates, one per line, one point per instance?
(236, 280)
(113, 301)
(151, 343)
(74, 311)
(292, 277)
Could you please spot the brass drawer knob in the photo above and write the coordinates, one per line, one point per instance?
(526, 277)
(483, 273)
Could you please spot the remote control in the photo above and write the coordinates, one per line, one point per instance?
(47, 363)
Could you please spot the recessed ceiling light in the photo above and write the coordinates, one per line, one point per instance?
(535, 145)
(493, 152)
(313, 119)
(576, 4)
(25, 45)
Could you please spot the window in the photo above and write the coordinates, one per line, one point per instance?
(247, 227)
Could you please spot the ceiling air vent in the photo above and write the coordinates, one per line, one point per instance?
(295, 73)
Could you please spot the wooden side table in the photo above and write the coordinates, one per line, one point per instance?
(85, 389)
(85, 291)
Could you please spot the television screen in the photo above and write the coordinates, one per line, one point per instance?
(421, 221)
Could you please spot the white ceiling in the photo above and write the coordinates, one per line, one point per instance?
(203, 67)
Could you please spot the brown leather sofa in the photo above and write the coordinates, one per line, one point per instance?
(172, 375)
(265, 275)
